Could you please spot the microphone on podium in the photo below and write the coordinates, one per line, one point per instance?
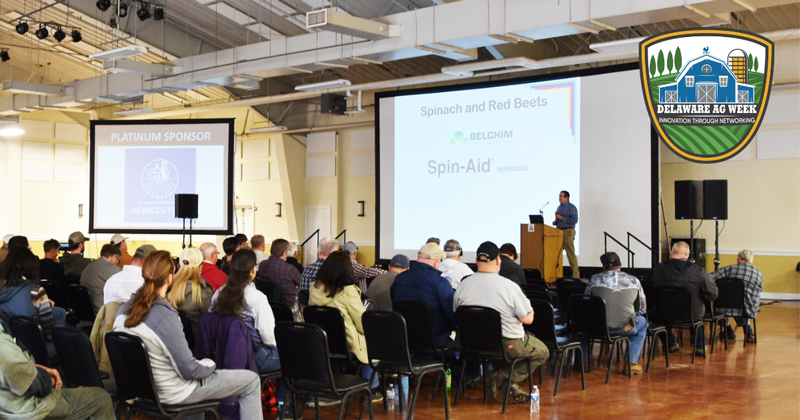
(540, 210)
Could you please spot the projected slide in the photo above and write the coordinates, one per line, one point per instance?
(472, 162)
(137, 168)
(478, 147)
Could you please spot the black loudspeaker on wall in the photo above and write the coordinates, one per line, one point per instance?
(688, 199)
(333, 103)
(715, 199)
(186, 206)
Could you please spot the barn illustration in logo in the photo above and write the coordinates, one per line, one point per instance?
(707, 108)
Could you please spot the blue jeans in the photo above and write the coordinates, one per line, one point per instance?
(701, 342)
(636, 335)
(366, 372)
(267, 360)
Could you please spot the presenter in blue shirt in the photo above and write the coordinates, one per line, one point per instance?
(566, 218)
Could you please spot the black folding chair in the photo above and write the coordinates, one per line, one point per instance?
(81, 304)
(332, 322)
(544, 328)
(589, 323)
(188, 331)
(134, 377)
(77, 359)
(714, 318)
(282, 312)
(731, 296)
(273, 291)
(674, 308)
(481, 333)
(387, 346)
(654, 329)
(306, 367)
(26, 330)
(55, 293)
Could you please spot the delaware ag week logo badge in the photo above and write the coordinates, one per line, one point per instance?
(706, 89)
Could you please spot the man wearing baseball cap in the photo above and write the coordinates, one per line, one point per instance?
(4, 249)
(379, 288)
(73, 261)
(489, 289)
(452, 268)
(620, 291)
(424, 283)
(121, 242)
(361, 272)
(120, 286)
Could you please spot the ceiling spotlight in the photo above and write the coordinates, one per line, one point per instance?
(158, 13)
(22, 28)
(112, 23)
(76, 35)
(103, 5)
(123, 9)
(143, 12)
(59, 34)
(4, 55)
(42, 32)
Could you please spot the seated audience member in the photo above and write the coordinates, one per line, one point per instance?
(336, 287)
(121, 242)
(489, 289)
(209, 271)
(276, 270)
(258, 246)
(508, 265)
(620, 291)
(434, 240)
(291, 258)
(745, 271)
(361, 272)
(20, 273)
(451, 266)
(190, 293)
(180, 378)
(120, 286)
(31, 391)
(49, 267)
(4, 248)
(73, 261)
(241, 241)
(678, 271)
(96, 274)
(379, 289)
(240, 298)
(326, 246)
(423, 282)
(229, 245)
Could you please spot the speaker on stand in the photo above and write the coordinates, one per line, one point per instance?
(186, 208)
(689, 205)
(715, 207)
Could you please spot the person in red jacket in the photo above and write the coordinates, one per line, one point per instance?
(209, 270)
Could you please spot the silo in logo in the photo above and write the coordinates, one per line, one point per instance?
(160, 178)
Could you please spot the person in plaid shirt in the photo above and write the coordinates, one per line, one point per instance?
(362, 273)
(277, 270)
(745, 271)
(326, 246)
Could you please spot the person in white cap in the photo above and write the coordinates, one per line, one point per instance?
(120, 242)
(4, 249)
(74, 262)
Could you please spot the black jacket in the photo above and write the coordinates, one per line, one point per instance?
(682, 273)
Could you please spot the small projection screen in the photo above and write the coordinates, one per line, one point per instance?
(472, 162)
(137, 168)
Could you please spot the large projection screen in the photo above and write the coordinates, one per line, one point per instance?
(137, 168)
(472, 162)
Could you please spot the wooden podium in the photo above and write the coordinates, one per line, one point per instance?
(541, 248)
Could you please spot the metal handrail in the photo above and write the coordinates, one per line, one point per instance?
(344, 232)
(631, 254)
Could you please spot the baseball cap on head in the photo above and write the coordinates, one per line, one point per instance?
(487, 251)
(117, 239)
(432, 250)
(610, 259)
(350, 247)
(143, 250)
(77, 237)
(399, 261)
(7, 238)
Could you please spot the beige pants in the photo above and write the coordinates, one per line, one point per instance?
(569, 246)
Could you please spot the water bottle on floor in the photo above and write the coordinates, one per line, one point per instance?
(535, 400)
(390, 392)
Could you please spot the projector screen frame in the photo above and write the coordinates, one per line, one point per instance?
(229, 185)
(654, 144)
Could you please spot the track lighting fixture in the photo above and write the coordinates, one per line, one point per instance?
(22, 28)
(112, 23)
(144, 12)
(123, 9)
(42, 32)
(59, 34)
(76, 35)
(4, 55)
(158, 13)
(103, 5)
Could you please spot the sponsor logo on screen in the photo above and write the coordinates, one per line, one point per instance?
(706, 90)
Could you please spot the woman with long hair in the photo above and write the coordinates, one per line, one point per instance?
(239, 297)
(19, 281)
(336, 287)
(179, 377)
(190, 293)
